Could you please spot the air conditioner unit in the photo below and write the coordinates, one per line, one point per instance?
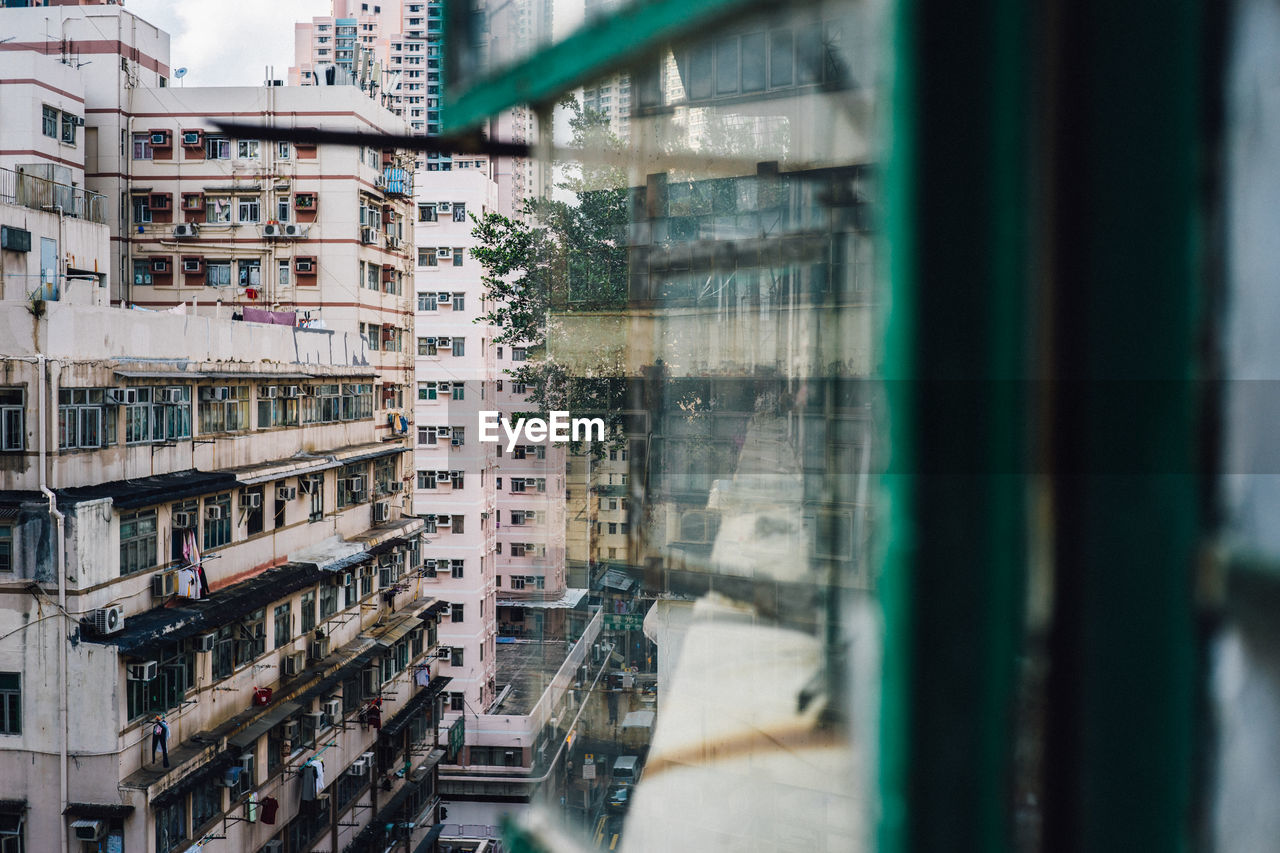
(397, 558)
(108, 620)
(286, 493)
(344, 579)
(172, 395)
(121, 396)
(291, 391)
(142, 671)
(205, 642)
(444, 653)
(272, 230)
(191, 137)
(443, 252)
(358, 767)
(290, 731)
(429, 564)
(251, 500)
(273, 846)
(356, 483)
(309, 484)
(187, 229)
(444, 521)
(444, 343)
(318, 649)
(396, 486)
(294, 663)
(444, 386)
(442, 475)
(89, 830)
(381, 512)
(444, 296)
(246, 763)
(191, 265)
(159, 264)
(294, 231)
(304, 265)
(444, 207)
(222, 392)
(443, 432)
(268, 391)
(183, 520)
(212, 512)
(164, 584)
(333, 708)
(160, 138)
(368, 235)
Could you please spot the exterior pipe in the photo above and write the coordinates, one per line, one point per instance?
(60, 525)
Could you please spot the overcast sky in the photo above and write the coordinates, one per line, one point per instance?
(228, 42)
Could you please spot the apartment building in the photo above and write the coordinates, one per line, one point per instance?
(195, 522)
(104, 56)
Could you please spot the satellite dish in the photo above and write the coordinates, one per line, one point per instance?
(178, 73)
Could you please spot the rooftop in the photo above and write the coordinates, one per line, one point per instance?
(526, 667)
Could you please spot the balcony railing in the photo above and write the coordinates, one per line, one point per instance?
(41, 194)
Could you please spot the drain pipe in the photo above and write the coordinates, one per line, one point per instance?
(60, 525)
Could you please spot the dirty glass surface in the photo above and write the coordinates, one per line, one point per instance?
(695, 261)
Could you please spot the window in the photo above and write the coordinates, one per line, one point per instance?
(426, 258)
(308, 609)
(217, 148)
(282, 151)
(456, 613)
(426, 301)
(252, 510)
(458, 252)
(10, 703)
(49, 123)
(137, 541)
(283, 617)
(459, 212)
(217, 521)
(458, 390)
(206, 803)
(456, 568)
(328, 600)
(455, 656)
(224, 408)
(69, 124)
(459, 299)
(217, 211)
(459, 346)
(82, 418)
(458, 523)
(426, 213)
(352, 485)
(247, 149)
(171, 825)
(519, 353)
(249, 209)
(427, 346)
(141, 209)
(142, 146)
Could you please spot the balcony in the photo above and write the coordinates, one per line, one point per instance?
(28, 190)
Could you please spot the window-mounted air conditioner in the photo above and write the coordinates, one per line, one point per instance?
(291, 391)
(318, 649)
(191, 265)
(396, 486)
(444, 207)
(213, 512)
(142, 671)
(89, 830)
(205, 642)
(444, 296)
(304, 265)
(286, 493)
(190, 137)
(368, 236)
(294, 663)
(333, 709)
(444, 252)
(251, 500)
(164, 584)
(160, 137)
(183, 520)
(268, 391)
(444, 653)
(172, 395)
(159, 264)
(444, 521)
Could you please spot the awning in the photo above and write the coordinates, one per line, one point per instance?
(397, 630)
(433, 610)
(98, 811)
(332, 555)
(145, 634)
(202, 775)
(429, 839)
(361, 652)
(361, 454)
(420, 700)
(568, 601)
(385, 537)
(263, 724)
(638, 720)
(614, 579)
(149, 491)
